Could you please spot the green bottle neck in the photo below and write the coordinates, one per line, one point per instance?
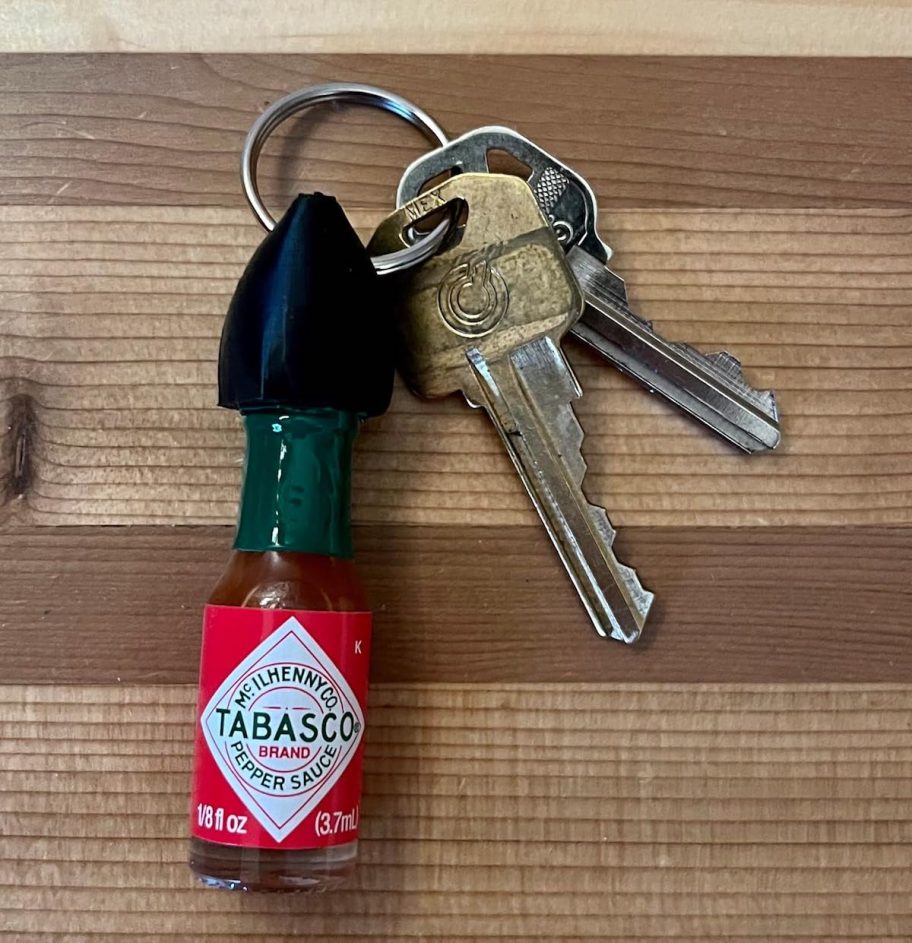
(296, 494)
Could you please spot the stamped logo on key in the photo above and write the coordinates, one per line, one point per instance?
(473, 296)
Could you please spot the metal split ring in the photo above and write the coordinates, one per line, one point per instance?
(424, 247)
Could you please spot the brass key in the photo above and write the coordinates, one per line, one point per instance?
(486, 317)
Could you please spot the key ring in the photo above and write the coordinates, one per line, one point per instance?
(358, 94)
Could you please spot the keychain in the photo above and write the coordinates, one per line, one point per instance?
(306, 355)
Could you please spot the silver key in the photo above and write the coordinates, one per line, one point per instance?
(711, 387)
(485, 317)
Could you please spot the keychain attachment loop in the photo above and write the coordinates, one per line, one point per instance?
(357, 94)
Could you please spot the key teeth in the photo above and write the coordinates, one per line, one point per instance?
(720, 369)
(533, 363)
(769, 398)
(570, 442)
(618, 287)
(643, 598)
(602, 524)
(730, 367)
(728, 363)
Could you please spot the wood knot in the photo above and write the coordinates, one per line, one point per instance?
(21, 428)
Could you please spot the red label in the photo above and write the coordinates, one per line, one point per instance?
(280, 727)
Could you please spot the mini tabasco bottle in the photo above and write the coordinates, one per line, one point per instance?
(305, 356)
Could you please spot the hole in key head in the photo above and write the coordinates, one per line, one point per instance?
(442, 177)
(562, 229)
(503, 162)
(427, 223)
(457, 230)
(456, 211)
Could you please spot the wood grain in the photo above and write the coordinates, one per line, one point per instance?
(645, 132)
(707, 27)
(610, 812)
(517, 787)
(482, 604)
(109, 324)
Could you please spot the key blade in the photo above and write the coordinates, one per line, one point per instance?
(711, 387)
(528, 395)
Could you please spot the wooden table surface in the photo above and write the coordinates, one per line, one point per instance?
(744, 773)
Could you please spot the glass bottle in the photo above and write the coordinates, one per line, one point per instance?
(292, 553)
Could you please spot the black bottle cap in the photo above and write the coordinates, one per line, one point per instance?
(309, 324)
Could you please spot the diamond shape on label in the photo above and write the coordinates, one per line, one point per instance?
(283, 727)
